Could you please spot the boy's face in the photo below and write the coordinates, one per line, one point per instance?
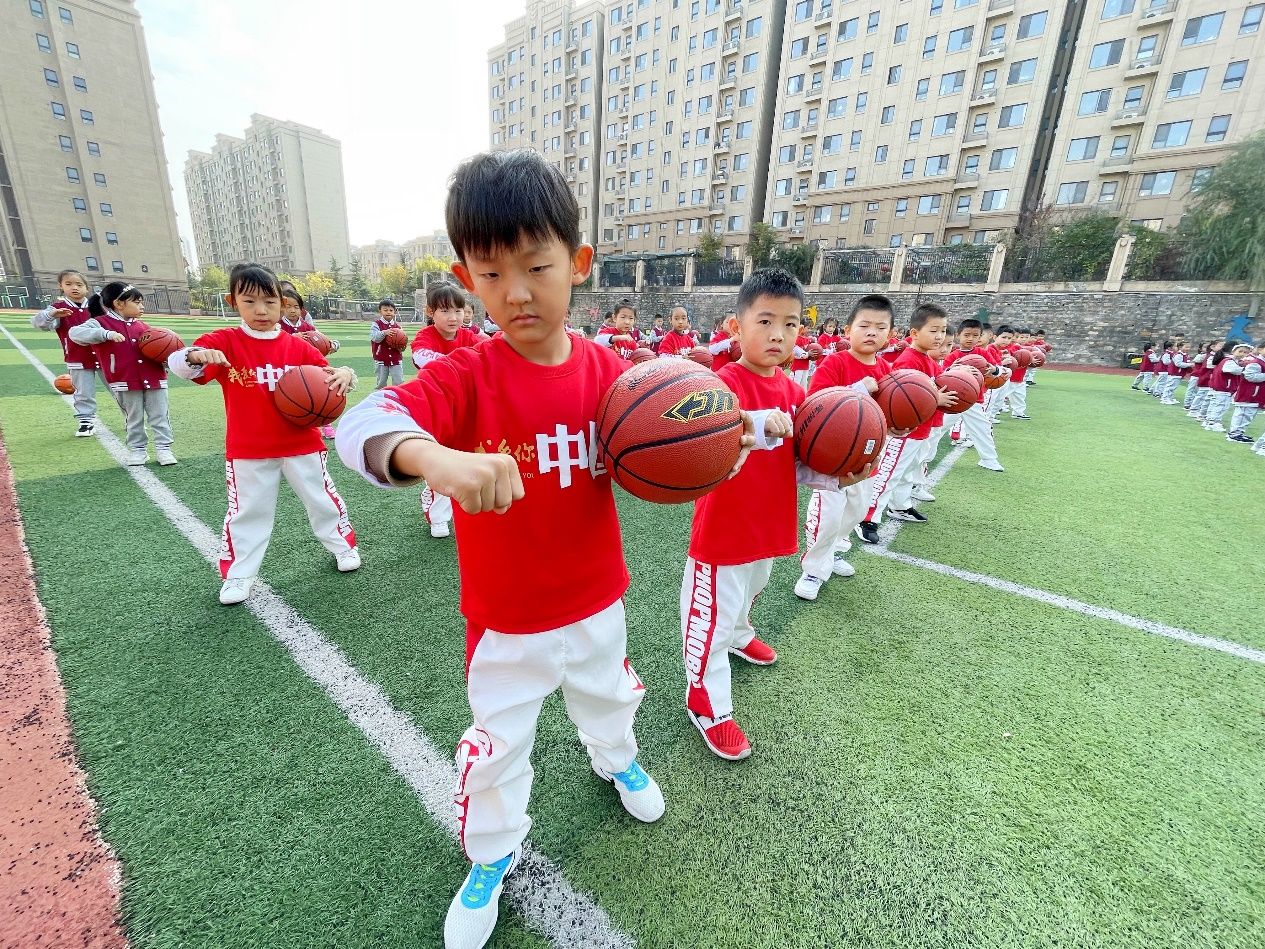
(73, 287)
(986, 336)
(931, 336)
(969, 337)
(869, 330)
(468, 316)
(447, 319)
(386, 312)
(259, 309)
(527, 289)
(680, 321)
(623, 321)
(1004, 339)
(290, 309)
(658, 322)
(767, 330)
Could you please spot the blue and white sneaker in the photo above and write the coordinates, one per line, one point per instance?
(638, 792)
(473, 911)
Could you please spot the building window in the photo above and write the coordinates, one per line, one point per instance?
(929, 204)
(1251, 19)
(915, 130)
(81, 84)
(907, 169)
(99, 179)
(1094, 102)
(1082, 149)
(72, 174)
(107, 210)
(868, 227)
(37, 8)
(1012, 115)
(1171, 134)
(1157, 183)
(111, 237)
(1031, 25)
(1234, 74)
(66, 144)
(1023, 71)
(1114, 8)
(1218, 126)
(1120, 146)
(920, 92)
(994, 200)
(91, 264)
(1202, 29)
(1107, 193)
(848, 29)
(81, 206)
(85, 235)
(952, 82)
(754, 25)
(72, 50)
(893, 75)
(1188, 83)
(1106, 54)
(944, 124)
(59, 110)
(85, 116)
(960, 39)
(1199, 179)
(888, 116)
(867, 63)
(66, 16)
(901, 33)
(1072, 192)
(936, 165)
(880, 154)
(43, 43)
(116, 266)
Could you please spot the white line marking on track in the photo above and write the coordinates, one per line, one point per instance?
(538, 890)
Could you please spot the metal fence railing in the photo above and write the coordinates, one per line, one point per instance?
(861, 265)
(665, 271)
(953, 263)
(1047, 264)
(619, 274)
(724, 272)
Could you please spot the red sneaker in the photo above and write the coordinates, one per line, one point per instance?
(757, 653)
(724, 738)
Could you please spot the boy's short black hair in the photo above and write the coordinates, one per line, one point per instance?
(769, 282)
(1004, 328)
(970, 323)
(985, 325)
(498, 199)
(383, 304)
(289, 293)
(244, 278)
(871, 301)
(624, 305)
(925, 312)
(444, 296)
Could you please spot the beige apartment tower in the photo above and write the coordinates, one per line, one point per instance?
(545, 93)
(275, 197)
(83, 177)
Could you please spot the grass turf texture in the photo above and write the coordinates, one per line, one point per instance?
(884, 805)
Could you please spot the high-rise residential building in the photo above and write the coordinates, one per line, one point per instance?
(545, 93)
(1158, 93)
(373, 257)
(275, 197)
(83, 178)
(431, 245)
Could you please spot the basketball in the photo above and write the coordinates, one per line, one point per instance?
(843, 345)
(304, 398)
(735, 349)
(907, 398)
(965, 387)
(63, 384)
(320, 341)
(970, 371)
(814, 351)
(700, 355)
(995, 379)
(975, 360)
(1038, 358)
(641, 354)
(156, 344)
(1022, 357)
(838, 431)
(669, 431)
(396, 338)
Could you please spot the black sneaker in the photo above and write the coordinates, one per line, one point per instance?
(868, 532)
(909, 514)
(1031, 382)
(1023, 418)
(1239, 437)
(86, 428)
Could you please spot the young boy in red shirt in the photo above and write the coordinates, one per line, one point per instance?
(619, 335)
(261, 446)
(831, 515)
(896, 474)
(720, 345)
(974, 422)
(542, 569)
(680, 339)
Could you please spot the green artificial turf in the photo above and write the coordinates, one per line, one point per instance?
(936, 763)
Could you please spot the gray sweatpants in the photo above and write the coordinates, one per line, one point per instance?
(1242, 418)
(1192, 392)
(382, 373)
(139, 406)
(85, 396)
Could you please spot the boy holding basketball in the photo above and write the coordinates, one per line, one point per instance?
(508, 430)
(618, 335)
(680, 339)
(64, 313)
(974, 422)
(261, 446)
(388, 360)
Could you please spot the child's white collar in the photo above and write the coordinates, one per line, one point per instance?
(271, 334)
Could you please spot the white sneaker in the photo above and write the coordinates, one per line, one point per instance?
(922, 494)
(348, 560)
(808, 587)
(841, 568)
(1215, 427)
(842, 546)
(137, 456)
(165, 457)
(236, 590)
(473, 911)
(638, 792)
(992, 465)
(440, 529)
(966, 443)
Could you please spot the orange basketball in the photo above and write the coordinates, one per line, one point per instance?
(843, 345)
(669, 430)
(970, 371)
(1038, 357)
(814, 351)
(907, 397)
(318, 339)
(700, 355)
(964, 386)
(735, 349)
(974, 359)
(63, 384)
(156, 344)
(1022, 357)
(838, 431)
(396, 338)
(641, 354)
(304, 398)
(995, 379)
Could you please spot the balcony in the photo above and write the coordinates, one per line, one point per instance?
(569, 150)
(715, 208)
(620, 191)
(570, 129)
(797, 230)
(621, 137)
(800, 199)
(958, 219)
(1000, 8)
(809, 129)
(721, 147)
(729, 48)
(1117, 165)
(1157, 13)
(720, 177)
(733, 11)
(1143, 67)
(725, 115)
(819, 57)
(571, 179)
(728, 82)
(813, 93)
(570, 98)
(975, 140)
(984, 97)
(966, 179)
(572, 75)
(1129, 117)
(991, 52)
(622, 164)
(623, 112)
(619, 219)
(804, 163)
(626, 52)
(823, 17)
(572, 46)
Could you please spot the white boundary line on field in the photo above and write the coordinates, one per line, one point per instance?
(566, 917)
(889, 531)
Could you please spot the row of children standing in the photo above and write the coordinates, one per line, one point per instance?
(1223, 377)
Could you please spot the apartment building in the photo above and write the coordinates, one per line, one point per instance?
(373, 257)
(545, 93)
(1158, 93)
(430, 245)
(274, 196)
(83, 177)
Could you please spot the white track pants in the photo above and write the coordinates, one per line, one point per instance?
(252, 505)
(899, 466)
(145, 405)
(1242, 418)
(1216, 407)
(978, 429)
(1192, 393)
(831, 517)
(1168, 385)
(800, 377)
(1200, 401)
(929, 449)
(438, 510)
(508, 679)
(716, 617)
(1017, 394)
(1143, 380)
(85, 381)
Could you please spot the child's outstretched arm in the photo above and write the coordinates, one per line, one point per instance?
(90, 332)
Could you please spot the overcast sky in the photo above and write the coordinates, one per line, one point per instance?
(401, 83)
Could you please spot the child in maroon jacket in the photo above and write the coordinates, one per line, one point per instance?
(69, 310)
